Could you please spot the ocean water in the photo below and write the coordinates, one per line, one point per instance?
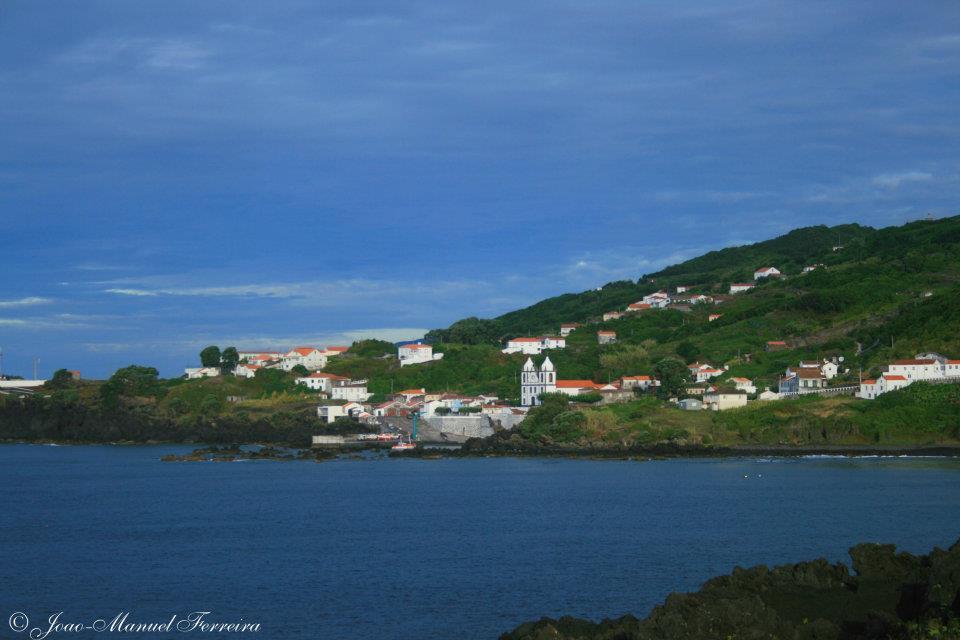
(426, 549)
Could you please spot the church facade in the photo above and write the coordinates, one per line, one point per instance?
(535, 380)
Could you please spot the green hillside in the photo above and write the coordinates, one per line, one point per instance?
(885, 294)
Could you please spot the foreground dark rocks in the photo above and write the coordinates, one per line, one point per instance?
(888, 596)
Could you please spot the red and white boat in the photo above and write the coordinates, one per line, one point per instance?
(403, 446)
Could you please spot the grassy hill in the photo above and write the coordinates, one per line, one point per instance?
(885, 294)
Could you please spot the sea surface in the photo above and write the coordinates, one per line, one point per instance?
(426, 549)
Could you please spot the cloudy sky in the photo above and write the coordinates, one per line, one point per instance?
(265, 174)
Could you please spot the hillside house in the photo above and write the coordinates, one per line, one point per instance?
(330, 412)
(319, 381)
(567, 328)
(776, 345)
(870, 389)
(260, 355)
(644, 383)
(743, 384)
(311, 358)
(606, 337)
(683, 288)
(577, 387)
(714, 316)
(534, 346)
(766, 272)
(721, 399)
(409, 394)
(740, 287)
(690, 404)
(703, 372)
(658, 300)
(536, 380)
(246, 370)
(701, 299)
(611, 315)
(417, 354)
(195, 373)
(812, 267)
(638, 306)
(350, 390)
(916, 369)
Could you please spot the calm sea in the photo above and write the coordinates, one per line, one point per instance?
(411, 549)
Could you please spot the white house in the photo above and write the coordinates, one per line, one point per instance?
(606, 337)
(740, 287)
(701, 299)
(194, 373)
(721, 400)
(249, 355)
(535, 380)
(310, 358)
(683, 288)
(333, 352)
(567, 328)
(916, 369)
(812, 267)
(870, 389)
(577, 387)
(611, 315)
(657, 300)
(351, 390)
(533, 346)
(638, 382)
(319, 381)
(766, 272)
(330, 412)
(246, 370)
(417, 353)
(703, 372)
(744, 384)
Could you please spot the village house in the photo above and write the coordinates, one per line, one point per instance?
(721, 399)
(534, 346)
(246, 370)
(743, 384)
(606, 337)
(610, 315)
(870, 389)
(916, 369)
(690, 404)
(535, 381)
(195, 373)
(683, 288)
(740, 287)
(812, 267)
(577, 387)
(766, 272)
(319, 381)
(330, 412)
(701, 299)
(311, 358)
(416, 354)
(409, 394)
(703, 372)
(658, 300)
(803, 380)
(638, 306)
(644, 383)
(260, 355)
(567, 328)
(714, 316)
(350, 390)
(776, 345)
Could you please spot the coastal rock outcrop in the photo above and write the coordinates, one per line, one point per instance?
(889, 595)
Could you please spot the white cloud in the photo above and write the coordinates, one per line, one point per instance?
(894, 180)
(24, 302)
(131, 292)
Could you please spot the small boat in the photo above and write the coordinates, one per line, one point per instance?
(403, 446)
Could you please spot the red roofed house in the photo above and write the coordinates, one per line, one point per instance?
(776, 345)
(714, 316)
(246, 370)
(638, 306)
(577, 387)
(606, 337)
(309, 357)
(703, 372)
(567, 328)
(870, 389)
(638, 382)
(611, 315)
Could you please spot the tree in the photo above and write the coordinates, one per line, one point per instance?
(61, 379)
(129, 381)
(210, 357)
(229, 360)
(673, 376)
(300, 370)
(210, 405)
(688, 351)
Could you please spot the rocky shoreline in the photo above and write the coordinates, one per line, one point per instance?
(889, 595)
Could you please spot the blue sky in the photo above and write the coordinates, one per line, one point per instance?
(175, 174)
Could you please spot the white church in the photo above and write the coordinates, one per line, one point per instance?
(535, 380)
